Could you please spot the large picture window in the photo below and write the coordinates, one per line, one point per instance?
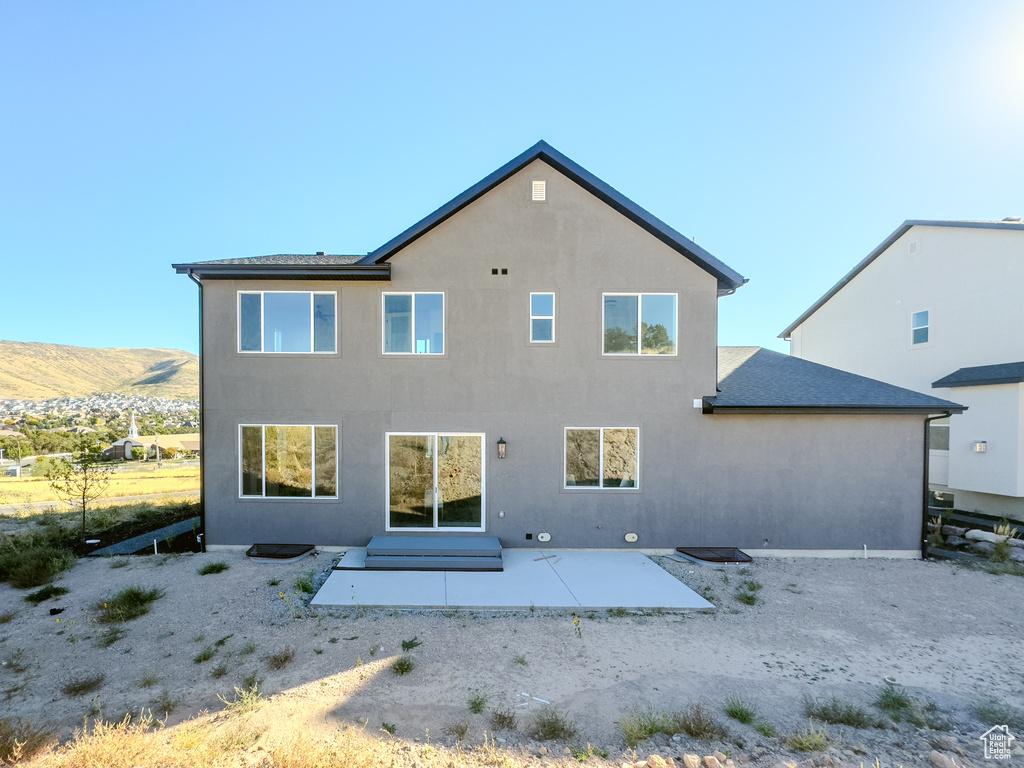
(605, 457)
(413, 323)
(639, 323)
(289, 461)
(286, 321)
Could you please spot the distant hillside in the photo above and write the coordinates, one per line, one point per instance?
(31, 371)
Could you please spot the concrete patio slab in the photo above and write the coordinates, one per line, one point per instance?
(576, 579)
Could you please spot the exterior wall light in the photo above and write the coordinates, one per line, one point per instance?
(501, 447)
(980, 446)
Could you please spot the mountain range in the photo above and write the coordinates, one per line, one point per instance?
(36, 371)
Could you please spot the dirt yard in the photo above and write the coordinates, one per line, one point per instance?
(818, 628)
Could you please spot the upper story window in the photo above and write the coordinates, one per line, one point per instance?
(640, 323)
(602, 457)
(542, 317)
(919, 327)
(288, 461)
(286, 321)
(413, 323)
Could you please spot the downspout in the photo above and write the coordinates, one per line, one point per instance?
(202, 420)
(927, 461)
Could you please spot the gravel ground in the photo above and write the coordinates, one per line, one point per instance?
(819, 628)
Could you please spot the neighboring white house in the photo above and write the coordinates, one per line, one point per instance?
(937, 308)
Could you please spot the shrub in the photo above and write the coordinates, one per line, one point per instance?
(19, 740)
(218, 567)
(838, 712)
(205, 655)
(246, 699)
(697, 721)
(79, 686)
(47, 592)
(810, 739)
(281, 659)
(33, 565)
(457, 731)
(900, 706)
(738, 709)
(550, 724)
(130, 603)
(109, 636)
(304, 584)
(994, 712)
(408, 645)
(765, 729)
(477, 703)
(503, 719)
(403, 665)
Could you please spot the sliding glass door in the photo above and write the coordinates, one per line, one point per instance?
(435, 481)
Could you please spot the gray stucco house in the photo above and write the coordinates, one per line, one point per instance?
(536, 360)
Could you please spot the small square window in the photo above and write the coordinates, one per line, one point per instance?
(602, 457)
(542, 317)
(540, 193)
(413, 323)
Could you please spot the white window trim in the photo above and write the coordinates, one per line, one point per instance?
(263, 455)
(312, 320)
(600, 430)
(639, 322)
(412, 330)
(927, 325)
(551, 317)
(435, 528)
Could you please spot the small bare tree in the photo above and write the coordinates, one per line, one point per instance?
(82, 479)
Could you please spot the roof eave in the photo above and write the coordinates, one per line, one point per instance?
(832, 409)
(728, 279)
(286, 271)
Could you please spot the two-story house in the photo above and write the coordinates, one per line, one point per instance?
(537, 356)
(936, 308)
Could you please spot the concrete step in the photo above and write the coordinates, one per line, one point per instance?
(434, 553)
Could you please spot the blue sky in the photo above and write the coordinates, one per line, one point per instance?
(788, 138)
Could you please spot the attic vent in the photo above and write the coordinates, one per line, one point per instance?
(913, 247)
(539, 191)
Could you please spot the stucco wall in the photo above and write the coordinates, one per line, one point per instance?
(994, 416)
(813, 481)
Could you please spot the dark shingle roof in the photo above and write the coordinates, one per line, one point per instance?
(325, 259)
(756, 378)
(901, 230)
(980, 375)
(728, 279)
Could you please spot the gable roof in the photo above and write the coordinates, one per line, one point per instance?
(761, 380)
(901, 230)
(728, 279)
(375, 265)
(982, 375)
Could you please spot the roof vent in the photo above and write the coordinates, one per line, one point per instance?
(913, 247)
(1012, 218)
(319, 253)
(539, 191)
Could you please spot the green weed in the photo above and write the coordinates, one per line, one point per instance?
(403, 665)
(219, 567)
(477, 703)
(838, 712)
(810, 739)
(408, 645)
(549, 723)
(740, 710)
(130, 603)
(46, 593)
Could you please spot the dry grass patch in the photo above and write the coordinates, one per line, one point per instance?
(20, 740)
(130, 603)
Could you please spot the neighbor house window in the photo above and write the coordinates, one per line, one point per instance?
(414, 323)
(938, 435)
(919, 327)
(603, 457)
(286, 321)
(289, 461)
(542, 317)
(640, 323)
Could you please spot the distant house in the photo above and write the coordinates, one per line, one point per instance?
(936, 307)
(142, 446)
(535, 360)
